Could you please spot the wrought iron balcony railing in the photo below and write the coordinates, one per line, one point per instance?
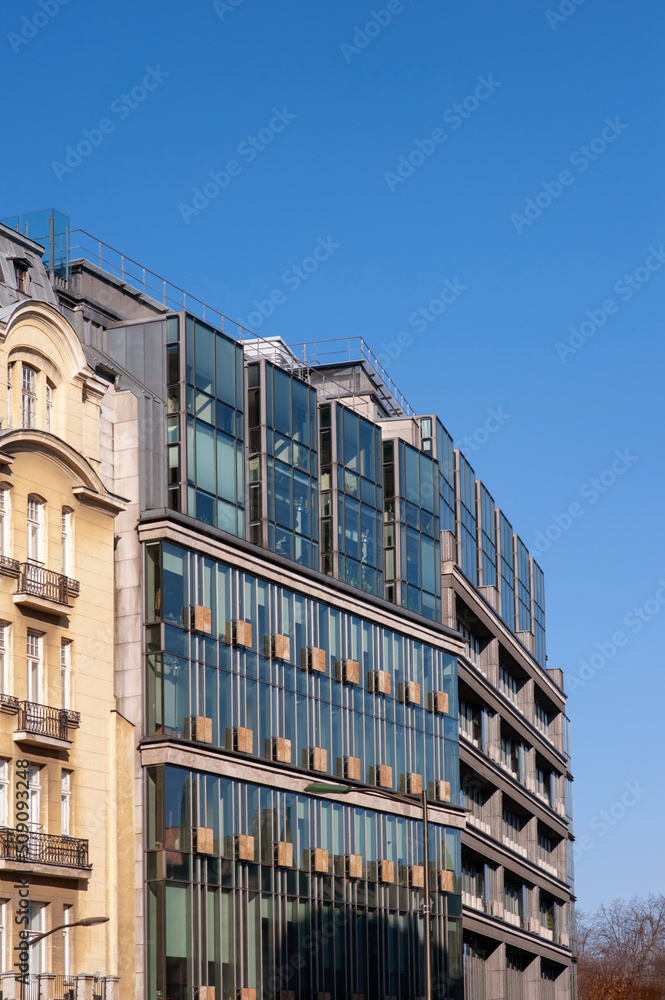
(9, 566)
(36, 581)
(47, 721)
(43, 848)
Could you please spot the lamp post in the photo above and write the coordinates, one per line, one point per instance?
(83, 922)
(323, 788)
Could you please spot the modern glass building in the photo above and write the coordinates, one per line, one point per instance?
(325, 625)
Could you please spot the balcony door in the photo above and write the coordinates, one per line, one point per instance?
(35, 664)
(34, 802)
(35, 530)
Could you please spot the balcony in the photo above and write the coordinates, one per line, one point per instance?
(44, 853)
(41, 589)
(43, 726)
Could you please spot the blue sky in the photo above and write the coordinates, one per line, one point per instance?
(564, 109)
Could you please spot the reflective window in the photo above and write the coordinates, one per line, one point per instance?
(507, 572)
(467, 526)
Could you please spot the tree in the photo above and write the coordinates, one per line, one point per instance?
(621, 951)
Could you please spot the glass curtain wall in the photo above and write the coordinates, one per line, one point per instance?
(214, 407)
(194, 676)
(249, 886)
(351, 498)
(467, 541)
(282, 443)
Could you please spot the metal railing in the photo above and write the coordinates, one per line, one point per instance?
(40, 582)
(40, 985)
(65, 246)
(43, 848)
(9, 566)
(47, 721)
(350, 350)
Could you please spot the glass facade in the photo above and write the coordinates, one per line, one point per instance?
(282, 446)
(539, 613)
(351, 498)
(507, 572)
(411, 529)
(488, 538)
(214, 425)
(249, 887)
(523, 580)
(446, 458)
(467, 518)
(192, 676)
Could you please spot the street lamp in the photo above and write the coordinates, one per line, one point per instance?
(322, 788)
(83, 922)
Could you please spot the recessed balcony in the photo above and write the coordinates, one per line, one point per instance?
(43, 726)
(40, 589)
(43, 853)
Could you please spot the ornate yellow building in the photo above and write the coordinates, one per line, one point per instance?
(66, 754)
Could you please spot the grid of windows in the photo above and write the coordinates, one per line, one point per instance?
(539, 613)
(488, 538)
(281, 418)
(523, 586)
(467, 519)
(215, 463)
(507, 572)
(292, 852)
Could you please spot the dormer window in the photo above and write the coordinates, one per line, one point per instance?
(21, 269)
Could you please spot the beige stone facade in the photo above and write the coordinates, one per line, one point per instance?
(57, 699)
